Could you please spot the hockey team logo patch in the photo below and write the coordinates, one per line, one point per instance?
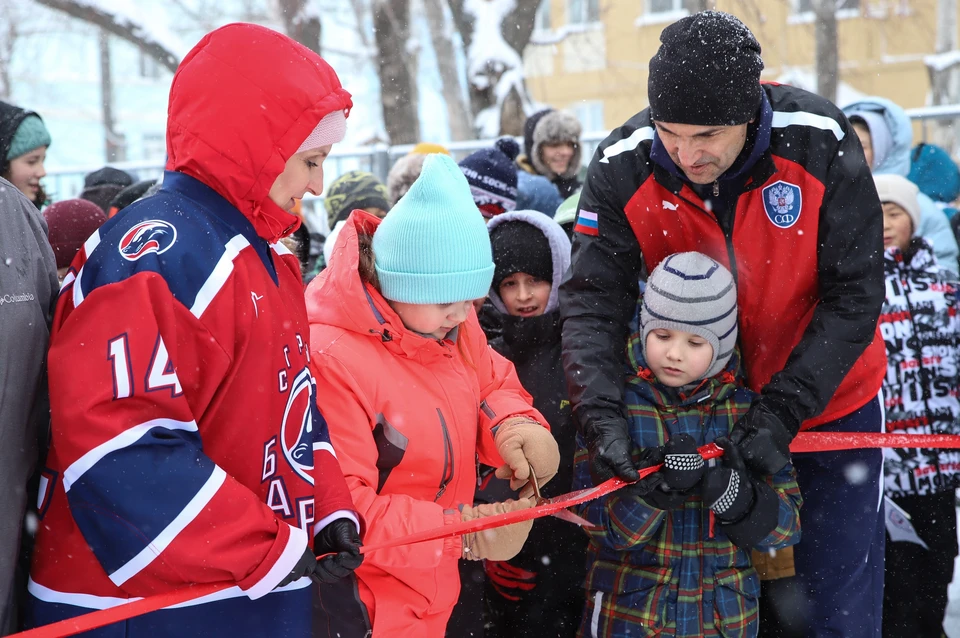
(296, 433)
(782, 201)
(152, 236)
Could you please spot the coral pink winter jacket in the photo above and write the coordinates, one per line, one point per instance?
(408, 416)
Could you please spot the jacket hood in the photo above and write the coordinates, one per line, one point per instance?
(556, 127)
(897, 160)
(559, 252)
(934, 172)
(716, 388)
(339, 297)
(241, 103)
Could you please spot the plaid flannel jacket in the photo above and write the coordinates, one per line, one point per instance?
(674, 573)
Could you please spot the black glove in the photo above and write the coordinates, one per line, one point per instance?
(682, 463)
(764, 438)
(609, 445)
(306, 566)
(342, 538)
(653, 489)
(747, 508)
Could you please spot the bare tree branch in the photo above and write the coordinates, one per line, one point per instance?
(118, 26)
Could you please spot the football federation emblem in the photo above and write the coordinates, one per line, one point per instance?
(296, 433)
(152, 236)
(782, 202)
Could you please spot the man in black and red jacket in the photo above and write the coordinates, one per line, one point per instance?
(770, 181)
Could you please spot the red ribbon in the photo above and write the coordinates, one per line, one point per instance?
(804, 442)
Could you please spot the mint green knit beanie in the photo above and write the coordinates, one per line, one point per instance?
(30, 134)
(433, 246)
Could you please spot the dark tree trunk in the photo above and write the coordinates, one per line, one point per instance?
(113, 142)
(122, 28)
(304, 29)
(516, 30)
(461, 125)
(827, 56)
(391, 23)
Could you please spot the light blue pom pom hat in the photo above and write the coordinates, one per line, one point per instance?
(433, 246)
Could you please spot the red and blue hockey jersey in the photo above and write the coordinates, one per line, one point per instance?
(187, 446)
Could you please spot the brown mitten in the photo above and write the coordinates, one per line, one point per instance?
(499, 543)
(522, 442)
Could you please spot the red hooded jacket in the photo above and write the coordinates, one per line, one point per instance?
(408, 415)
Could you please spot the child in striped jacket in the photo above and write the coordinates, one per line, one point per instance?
(670, 554)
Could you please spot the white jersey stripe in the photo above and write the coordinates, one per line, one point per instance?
(77, 292)
(628, 144)
(126, 438)
(92, 242)
(90, 601)
(146, 556)
(783, 119)
(219, 276)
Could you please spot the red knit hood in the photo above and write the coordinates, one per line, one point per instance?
(241, 103)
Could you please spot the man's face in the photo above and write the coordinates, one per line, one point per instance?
(703, 153)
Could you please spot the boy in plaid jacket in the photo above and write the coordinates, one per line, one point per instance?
(670, 554)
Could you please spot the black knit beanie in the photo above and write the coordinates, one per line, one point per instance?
(706, 72)
(520, 247)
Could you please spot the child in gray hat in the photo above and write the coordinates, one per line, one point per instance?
(673, 550)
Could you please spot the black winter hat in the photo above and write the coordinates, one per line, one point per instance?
(706, 72)
(520, 247)
(107, 175)
(128, 195)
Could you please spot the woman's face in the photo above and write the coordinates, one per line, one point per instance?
(557, 156)
(302, 174)
(26, 171)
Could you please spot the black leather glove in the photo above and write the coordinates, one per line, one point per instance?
(341, 538)
(763, 437)
(609, 445)
(304, 567)
(747, 508)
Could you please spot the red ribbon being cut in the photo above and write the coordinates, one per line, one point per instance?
(804, 442)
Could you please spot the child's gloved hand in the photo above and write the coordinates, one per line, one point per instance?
(747, 507)
(682, 471)
(522, 443)
(500, 543)
(682, 464)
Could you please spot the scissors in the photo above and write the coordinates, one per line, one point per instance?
(564, 514)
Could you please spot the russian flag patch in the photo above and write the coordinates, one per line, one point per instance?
(587, 223)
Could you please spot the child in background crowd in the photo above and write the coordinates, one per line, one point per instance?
(671, 552)
(23, 148)
(540, 591)
(70, 223)
(413, 396)
(352, 190)
(921, 329)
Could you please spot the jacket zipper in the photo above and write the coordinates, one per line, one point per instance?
(447, 475)
(727, 237)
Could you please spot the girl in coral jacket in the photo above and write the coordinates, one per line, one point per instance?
(413, 396)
